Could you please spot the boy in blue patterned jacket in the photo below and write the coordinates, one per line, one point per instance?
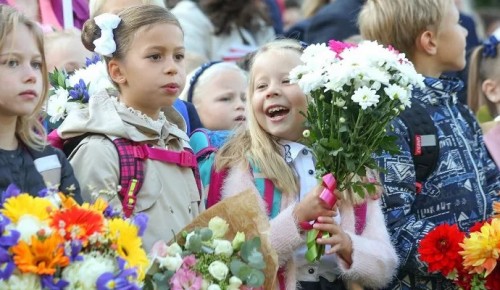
(465, 181)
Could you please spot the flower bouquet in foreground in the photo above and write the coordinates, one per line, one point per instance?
(469, 260)
(51, 242)
(224, 248)
(355, 92)
(72, 91)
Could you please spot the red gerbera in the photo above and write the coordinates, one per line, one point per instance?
(477, 226)
(439, 249)
(78, 223)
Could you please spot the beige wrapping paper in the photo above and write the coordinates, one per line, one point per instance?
(243, 214)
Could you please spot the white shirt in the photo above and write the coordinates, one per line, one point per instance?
(301, 159)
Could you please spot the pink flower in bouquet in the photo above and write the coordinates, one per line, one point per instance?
(339, 46)
(159, 249)
(184, 278)
(189, 261)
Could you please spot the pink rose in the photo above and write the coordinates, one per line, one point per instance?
(159, 249)
(339, 46)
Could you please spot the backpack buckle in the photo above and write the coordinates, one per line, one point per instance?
(141, 152)
(186, 159)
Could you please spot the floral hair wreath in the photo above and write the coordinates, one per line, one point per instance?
(106, 45)
(490, 44)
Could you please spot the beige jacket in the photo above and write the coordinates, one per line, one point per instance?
(169, 195)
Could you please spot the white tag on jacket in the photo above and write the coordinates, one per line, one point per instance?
(47, 163)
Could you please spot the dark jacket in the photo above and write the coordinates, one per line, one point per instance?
(337, 20)
(459, 191)
(19, 167)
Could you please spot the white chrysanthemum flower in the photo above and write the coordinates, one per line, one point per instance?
(395, 92)
(19, 281)
(83, 275)
(365, 97)
(95, 77)
(29, 225)
(56, 105)
(311, 82)
(318, 55)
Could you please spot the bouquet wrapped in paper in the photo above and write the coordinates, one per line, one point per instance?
(354, 91)
(470, 260)
(225, 247)
(51, 242)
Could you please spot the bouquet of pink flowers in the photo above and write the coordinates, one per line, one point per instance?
(51, 242)
(217, 252)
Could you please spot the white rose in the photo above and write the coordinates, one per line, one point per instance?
(218, 226)
(172, 263)
(223, 247)
(239, 239)
(218, 270)
(234, 283)
(84, 274)
(174, 249)
(213, 287)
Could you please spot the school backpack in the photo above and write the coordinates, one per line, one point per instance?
(424, 143)
(132, 156)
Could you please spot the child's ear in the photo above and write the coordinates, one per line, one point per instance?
(491, 90)
(116, 72)
(427, 43)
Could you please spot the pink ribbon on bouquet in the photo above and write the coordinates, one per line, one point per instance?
(327, 196)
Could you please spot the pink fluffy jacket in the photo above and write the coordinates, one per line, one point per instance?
(374, 259)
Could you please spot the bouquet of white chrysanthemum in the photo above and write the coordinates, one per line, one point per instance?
(355, 91)
(72, 91)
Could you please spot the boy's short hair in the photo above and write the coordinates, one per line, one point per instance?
(95, 5)
(400, 22)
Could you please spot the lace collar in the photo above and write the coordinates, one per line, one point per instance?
(157, 124)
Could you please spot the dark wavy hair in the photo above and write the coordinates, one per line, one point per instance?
(242, 13)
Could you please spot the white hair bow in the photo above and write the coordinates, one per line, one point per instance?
(106, 45)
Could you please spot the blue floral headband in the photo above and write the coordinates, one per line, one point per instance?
(490, 45)
(196, 76)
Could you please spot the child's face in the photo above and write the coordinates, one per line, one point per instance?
(67, 53)
(152, 71)
(21, 82)
(221, 101)
(451, 41)
(276, 103)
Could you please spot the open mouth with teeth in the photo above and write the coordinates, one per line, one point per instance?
(277, 112)
(240, 119)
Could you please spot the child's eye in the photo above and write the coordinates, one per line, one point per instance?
(286, 81)
(260, 86)
(179, 56)
(36, 65)
(12, 63)
(155, 57)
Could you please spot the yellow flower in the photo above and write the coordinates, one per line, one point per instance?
(99, 205)
(125, 237)
(482, 249)
(17, 206)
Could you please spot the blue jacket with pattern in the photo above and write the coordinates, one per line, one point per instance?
(459, 191)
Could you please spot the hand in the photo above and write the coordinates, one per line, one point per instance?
(312, 206)
(339, 240)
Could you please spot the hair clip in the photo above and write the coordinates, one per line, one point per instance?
(490, 44)
(196, 76)
(106, 45)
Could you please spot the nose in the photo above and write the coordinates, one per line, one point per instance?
(171, 67)
(273, 90)
(30, 74)
(240, 102)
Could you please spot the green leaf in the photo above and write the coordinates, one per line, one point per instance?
(206, 234)
(195, 243)
(235, 266)
(255, 278)
(161, 280)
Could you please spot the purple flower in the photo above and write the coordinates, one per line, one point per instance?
(51, 283)
(120, 281)
(93, 60)
(109, 212)
(11, 191)
(8, 237)
(73, 252)
(79, 92)
(141, 221)
(6, 270)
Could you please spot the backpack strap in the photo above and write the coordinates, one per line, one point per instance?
(424, 143)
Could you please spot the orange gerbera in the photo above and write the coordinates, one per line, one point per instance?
(496, 209)
(78, 223)
(67, 201)
(43, 257)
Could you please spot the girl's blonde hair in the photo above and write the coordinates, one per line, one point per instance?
(132, 19)
(482, 68)
(96, 5)
(400, 22)
(254, 143)
(29, 129)
(311, 7)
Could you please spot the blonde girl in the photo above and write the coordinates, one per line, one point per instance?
(271, 143)
(25, 158)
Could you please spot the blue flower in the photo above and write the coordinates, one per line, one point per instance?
(8, 238)
(120, 281)
(73, 251)
(109, 212)
(6, 270)
(93, 60)
(79, 92)
(51, 283)
(141, 221)
(11, 191)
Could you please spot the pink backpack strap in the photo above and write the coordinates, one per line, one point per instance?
(214, 194)
(360, 217)
(131, 173)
